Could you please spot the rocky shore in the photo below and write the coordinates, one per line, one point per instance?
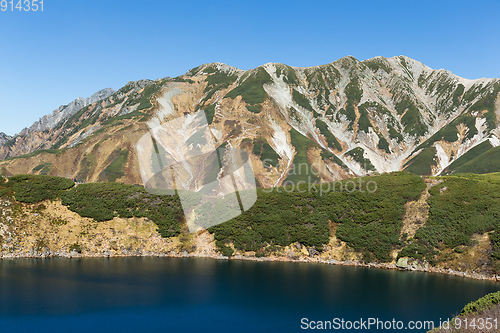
(176, 254)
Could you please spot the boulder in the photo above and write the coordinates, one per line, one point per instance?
(402, 263)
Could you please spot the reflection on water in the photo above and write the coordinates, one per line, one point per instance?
(196, 294)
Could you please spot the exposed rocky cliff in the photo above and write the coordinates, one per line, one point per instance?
(65, 111)
(4, 138)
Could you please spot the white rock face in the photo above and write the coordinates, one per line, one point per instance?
(65, 111)
(4, 138)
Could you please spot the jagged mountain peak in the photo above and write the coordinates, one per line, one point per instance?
(65, 111)
(213, 67)
(4, 138)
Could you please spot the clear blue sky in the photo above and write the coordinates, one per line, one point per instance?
(74, 48)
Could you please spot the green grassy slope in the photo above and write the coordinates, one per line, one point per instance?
(468, 156)
(487, 162)
(421, 163)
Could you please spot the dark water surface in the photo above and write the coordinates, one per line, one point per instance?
(207, 295)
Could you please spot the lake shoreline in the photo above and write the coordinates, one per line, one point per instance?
(74, 255)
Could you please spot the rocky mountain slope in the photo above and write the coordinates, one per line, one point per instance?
(325, 123)
(4, 138)
(65, 111)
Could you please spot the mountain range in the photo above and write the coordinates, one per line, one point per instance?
(344, 119)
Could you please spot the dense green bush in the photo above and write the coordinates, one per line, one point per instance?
(358, 155)
(210, 113)
(378, 63)
(301, 100)
(364, 120)
(367, 217)
(369, 221)
(216, 81)
(44, 168)
(353, 91)
(459, 207)
(481, 304)
(266, 152)
(487, 162)
(3, 189)
(393, 134)
(469, 156)
(276, 219)
(32, 189)
(148, 92)
(103, 201)
(302, 170)
(383, 145)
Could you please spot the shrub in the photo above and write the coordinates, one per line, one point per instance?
(481, 304)
(104, 201)
(32, 189)
(75, 247)
(367, 222)
(459, 208)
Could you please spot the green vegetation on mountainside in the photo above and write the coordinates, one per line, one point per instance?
(267, 154)
(371, 222)
(43, 168)
(56, 152)
(87, 165)
(251, 89)
(353, 93)
(412, 118)
(421, 163)
(366, 213)
(487, 103)
(383, 145)
(468, 156)
(358, 155)
(216, 81)
(378, 63)
(450, 132)
(368, 216)
(460, 206)
(301, 170)
(32, 189)
(114, 170)
(103, 201)
(330, 138)
(487, 162)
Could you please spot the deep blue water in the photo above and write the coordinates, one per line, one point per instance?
(206, 295)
